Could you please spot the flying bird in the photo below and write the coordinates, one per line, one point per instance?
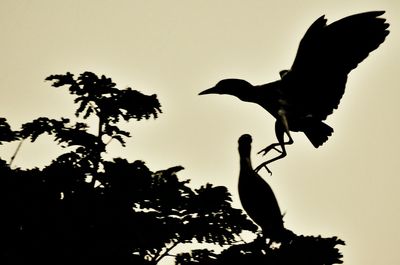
(311, 89)
(257, 197)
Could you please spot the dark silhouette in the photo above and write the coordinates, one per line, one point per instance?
(310, 91)
(6, 134)
(260, 203)
(302, 250)
(257, 197)
(126, 214)
(135, 216)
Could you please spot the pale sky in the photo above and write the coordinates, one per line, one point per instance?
(175, 49)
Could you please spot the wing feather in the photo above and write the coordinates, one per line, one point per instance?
(326, 55)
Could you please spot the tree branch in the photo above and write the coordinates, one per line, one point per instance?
(16, 152)
(167, 250)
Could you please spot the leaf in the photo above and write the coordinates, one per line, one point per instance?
(41, 126)
(61, 80)
(6, 134)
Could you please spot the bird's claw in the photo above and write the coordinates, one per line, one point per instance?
(269, 148)
(263, 165)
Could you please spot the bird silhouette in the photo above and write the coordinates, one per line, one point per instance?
(257, 197)
(306, 94)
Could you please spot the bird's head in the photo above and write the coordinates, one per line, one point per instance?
(245, 145)
(235, 87)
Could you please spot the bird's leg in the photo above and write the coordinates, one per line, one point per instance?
(281, 127)
(278, 132)
(285, 123)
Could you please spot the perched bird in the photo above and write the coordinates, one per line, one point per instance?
(257, 197)
(307, 93)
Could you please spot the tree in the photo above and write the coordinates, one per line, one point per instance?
(99, 97)
(126, 214)
(302, 250)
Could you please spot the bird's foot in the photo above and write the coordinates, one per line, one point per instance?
(263, 165)
(269, 148)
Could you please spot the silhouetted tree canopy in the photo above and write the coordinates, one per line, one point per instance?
(6, 134)
(99, 96)
(55, 215)
(305, 250)
(83, 209)
(127, 215)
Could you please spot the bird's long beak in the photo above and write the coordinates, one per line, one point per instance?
(208, 91)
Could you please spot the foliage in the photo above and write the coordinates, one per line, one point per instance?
(82, 209)
(128, 215)
(6, 134)
(302, 250)
(59, 216)
(99, 96)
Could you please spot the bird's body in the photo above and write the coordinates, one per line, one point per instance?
(257, 197)
(307, 93)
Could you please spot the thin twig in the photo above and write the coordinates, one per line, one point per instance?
(16, 152)
(166, 253)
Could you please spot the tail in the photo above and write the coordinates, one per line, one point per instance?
(318, 133)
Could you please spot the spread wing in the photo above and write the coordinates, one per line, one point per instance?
(326, 54)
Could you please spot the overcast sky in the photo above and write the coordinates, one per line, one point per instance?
(347, 188)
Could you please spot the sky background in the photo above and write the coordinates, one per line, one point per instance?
(347, 188)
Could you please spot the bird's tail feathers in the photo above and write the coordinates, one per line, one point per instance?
(318, 133)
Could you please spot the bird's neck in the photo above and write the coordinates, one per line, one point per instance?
(245, 161)
(269, 96)
(261, 94)
(249, 94)
(245, 164)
